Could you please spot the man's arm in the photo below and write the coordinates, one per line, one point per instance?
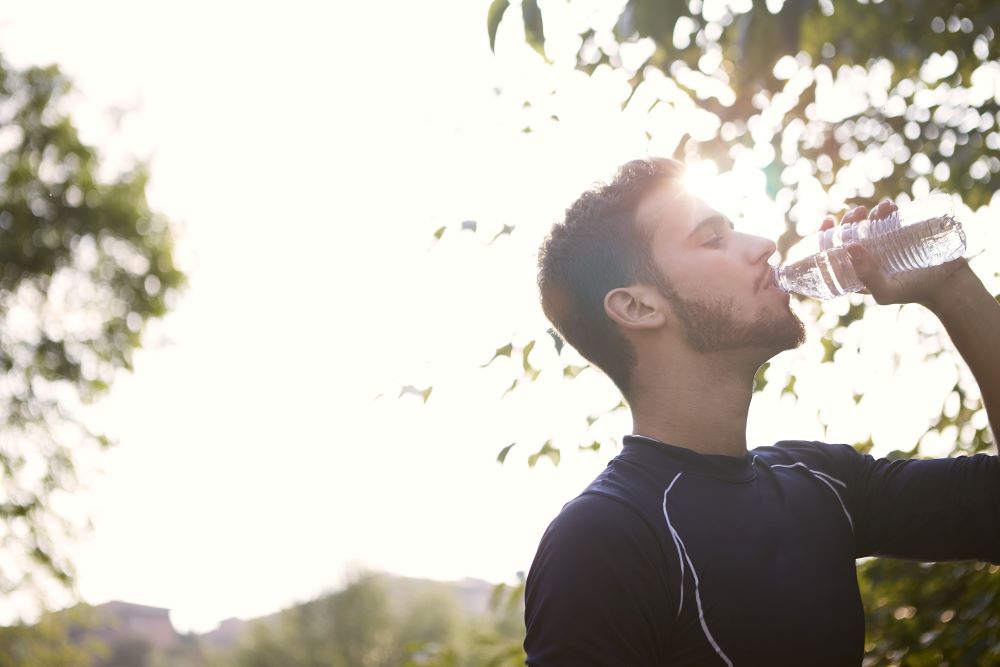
(939, 509)
(969, 313)
(596, 594)
(971, 316)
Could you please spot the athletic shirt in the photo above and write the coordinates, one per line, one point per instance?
(670, 557)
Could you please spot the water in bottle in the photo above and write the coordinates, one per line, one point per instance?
(920, 234)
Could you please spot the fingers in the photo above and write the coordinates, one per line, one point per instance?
(859, 213)
(856, 214)
(882, 210)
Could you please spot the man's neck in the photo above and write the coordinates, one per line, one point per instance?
(699, 403)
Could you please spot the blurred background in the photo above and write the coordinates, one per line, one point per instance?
(276, 389)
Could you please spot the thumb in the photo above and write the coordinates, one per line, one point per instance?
(866, 267)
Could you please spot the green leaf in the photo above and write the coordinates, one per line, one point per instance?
(497, 8)
(595, 446)
(829, 348)
(513, 385)
(534, 32)
(439, 233)
(501, 352)
(548, 451)
(502, 456)
(855, 312)
(593, 418)
(414, 391)
(507, 229)
(524, 356)
(572, 371)
(789, 387)
(759, 382)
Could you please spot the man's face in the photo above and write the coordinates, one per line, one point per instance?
(719, 278)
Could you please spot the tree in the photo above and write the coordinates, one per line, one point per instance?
(354, 626)
(57, 639)
(860, 97)
(84, 265)
(129, 651)
(378, 620)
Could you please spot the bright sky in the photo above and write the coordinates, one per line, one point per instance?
(306, 154)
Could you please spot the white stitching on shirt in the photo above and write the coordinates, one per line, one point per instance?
(829, 477)
(823, 477)
(679, 543)
(676, 539)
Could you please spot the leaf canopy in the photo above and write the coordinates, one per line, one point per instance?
(85, 264)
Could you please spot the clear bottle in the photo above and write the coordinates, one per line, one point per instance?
(920, 234)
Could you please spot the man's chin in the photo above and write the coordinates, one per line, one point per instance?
(711, 327)
(781, 334)
(792, 333)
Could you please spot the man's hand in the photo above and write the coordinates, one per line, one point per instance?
(969, 312)
(926, 286)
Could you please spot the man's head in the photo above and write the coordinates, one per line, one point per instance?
(640, 256)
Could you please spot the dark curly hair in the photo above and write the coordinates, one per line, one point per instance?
(597, 248)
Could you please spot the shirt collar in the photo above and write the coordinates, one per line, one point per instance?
(719, 466)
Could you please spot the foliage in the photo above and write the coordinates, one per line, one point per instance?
(854, 98)
(84, 265)
(376, 622)
(127, 652)
(52, 641)
(923, 615)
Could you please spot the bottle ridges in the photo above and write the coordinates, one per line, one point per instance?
(922, 244)
(829, 273)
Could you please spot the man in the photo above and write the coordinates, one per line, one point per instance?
(688, 549)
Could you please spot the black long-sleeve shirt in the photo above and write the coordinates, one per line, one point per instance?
(670, 557)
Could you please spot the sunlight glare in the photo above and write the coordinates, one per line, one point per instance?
(700, 179)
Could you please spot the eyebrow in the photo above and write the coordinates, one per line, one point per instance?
(710, 221)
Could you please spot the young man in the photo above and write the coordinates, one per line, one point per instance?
(688, 549)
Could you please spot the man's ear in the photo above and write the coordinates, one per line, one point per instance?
(634, 307)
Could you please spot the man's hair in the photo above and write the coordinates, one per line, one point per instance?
(598, 247)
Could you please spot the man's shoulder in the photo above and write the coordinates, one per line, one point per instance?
(592, 537)
(807, 453)
(596, 510)
(597, 591)
(635, 478)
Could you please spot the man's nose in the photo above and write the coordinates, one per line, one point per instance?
(758, 248)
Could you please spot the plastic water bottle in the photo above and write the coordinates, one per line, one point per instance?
(920, 234)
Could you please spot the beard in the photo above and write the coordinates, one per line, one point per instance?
(710, 326)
